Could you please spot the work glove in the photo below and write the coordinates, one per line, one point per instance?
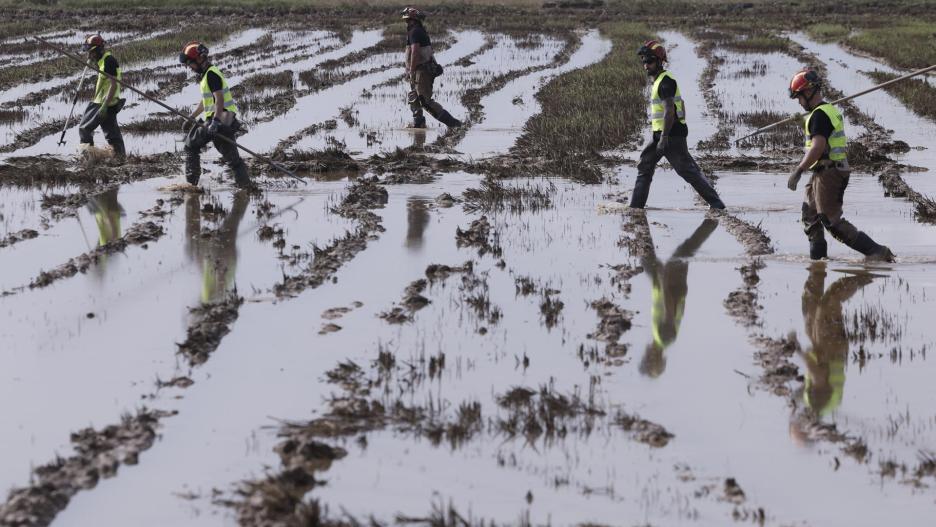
(794, 178)
(662, 144)
(188, 124)
(213, 127)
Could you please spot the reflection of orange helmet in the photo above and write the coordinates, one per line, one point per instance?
(191, 52)
(94, 41)
(805, 79)
(652, 50)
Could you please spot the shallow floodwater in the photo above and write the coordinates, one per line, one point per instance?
(89, 348)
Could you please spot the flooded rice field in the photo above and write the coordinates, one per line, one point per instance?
(423, 331)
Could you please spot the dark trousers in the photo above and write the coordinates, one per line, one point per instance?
(89, 123)
(198, 137)
(677, 153)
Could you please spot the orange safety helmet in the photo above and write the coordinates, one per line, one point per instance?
(191, 52)
(803, 80)
(412, 13)
(94, 41)
(652, 50)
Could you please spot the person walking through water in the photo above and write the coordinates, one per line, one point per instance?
(220, 117)
(106, 104)
(826, 159)
(421, 70)
(668, 123)
(669, 291)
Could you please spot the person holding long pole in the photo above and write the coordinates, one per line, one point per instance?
(220, 111)
(103, 108)
(827, 161)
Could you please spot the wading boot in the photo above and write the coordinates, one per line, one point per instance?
(241, 177)
(120, 152)
(419, 121)
(872, 250)
(447, 119)
(818, 249)
(192, 169)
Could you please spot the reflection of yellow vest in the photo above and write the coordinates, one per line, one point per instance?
(213, 284)
(837, 141)
(104, 83)
(108, 223)
(658, 315)
(208, 101)
(836, 382)
(656, 103)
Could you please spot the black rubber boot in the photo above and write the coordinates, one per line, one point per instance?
(447, 119)
(120, 151)
(419, 121)
(241, 177)
(818, 249)
(871, 249)
(192, 168)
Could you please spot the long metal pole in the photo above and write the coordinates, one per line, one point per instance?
(839, 101)
(84, 73)
(167, 107)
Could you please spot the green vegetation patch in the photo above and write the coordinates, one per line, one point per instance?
(596, 108)
(917, 94)
(827, 32)
(167, 45)
(908, 45)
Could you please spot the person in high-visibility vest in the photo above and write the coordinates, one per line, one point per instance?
(220, 111)
(826, 158)
(668, 123)
(825, 326)
(106, 104)
(421, 71)
(669, 290)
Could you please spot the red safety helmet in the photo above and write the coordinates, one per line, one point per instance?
(652, 50)
(94, 41)
(412, 13)
(191, 52)
(803, 80)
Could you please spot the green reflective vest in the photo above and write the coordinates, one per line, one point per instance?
(104, 83)
(834, 384)
(208, 101)
(656, 103)
(837, 142)
(660, 317)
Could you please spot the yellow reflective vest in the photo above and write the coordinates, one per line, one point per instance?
(208, 102)
(837, 141)
(104, 83)
(656, 103)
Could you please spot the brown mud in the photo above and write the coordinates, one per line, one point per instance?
(412, 301)
(13, 238)
(98, 455)
(210, 322)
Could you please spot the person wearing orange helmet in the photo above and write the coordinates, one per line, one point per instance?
(106, 103)
(421, 70)
(826, 158)
(668, 123)
(220, 111)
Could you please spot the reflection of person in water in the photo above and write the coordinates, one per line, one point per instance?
(215, 251)
(107, 213)
(419, 138)
(417, 218)
(669, 295)
(825, 327)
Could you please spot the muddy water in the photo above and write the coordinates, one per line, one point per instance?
(847, 74)
(106, 363)
(693, 387)
(384, 115)
(507, 109)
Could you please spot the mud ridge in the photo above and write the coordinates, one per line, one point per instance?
(364, 195)
(412, 301)
(98, 455)
(479, 235)
(752, 237)
(210, 323)
(613, 321)
(138, 234)
(16, 237)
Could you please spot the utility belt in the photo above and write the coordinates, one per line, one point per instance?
(824, 164)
